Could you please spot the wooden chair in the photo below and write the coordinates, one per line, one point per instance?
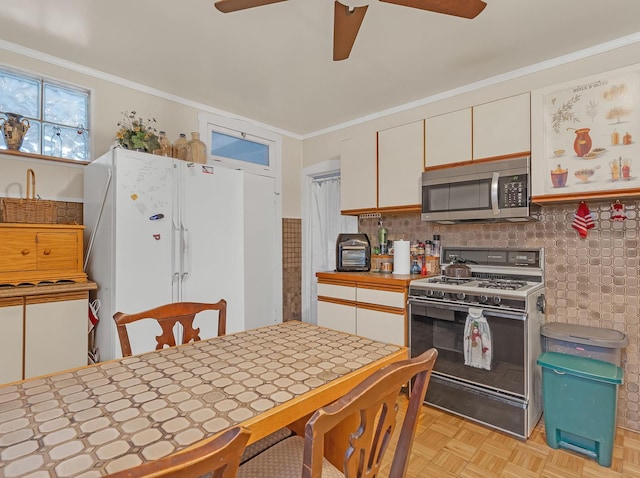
(369, 411)
(167, 316)
(220, 456)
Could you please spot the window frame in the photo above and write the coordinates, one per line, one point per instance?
(43, 81)
(210, 123)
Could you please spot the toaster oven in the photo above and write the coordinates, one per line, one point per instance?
(353, 253)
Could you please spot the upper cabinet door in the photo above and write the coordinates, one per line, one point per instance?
(448, 138)
(502, 127)
(400, 165)
(358, 173)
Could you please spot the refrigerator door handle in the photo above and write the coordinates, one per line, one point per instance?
(186, 253)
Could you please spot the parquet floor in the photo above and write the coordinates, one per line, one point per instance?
(450, 446)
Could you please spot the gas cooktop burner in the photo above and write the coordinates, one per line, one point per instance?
(502, 284)
(449, 280)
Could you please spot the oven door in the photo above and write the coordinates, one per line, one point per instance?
(442, 325)
(495, 397)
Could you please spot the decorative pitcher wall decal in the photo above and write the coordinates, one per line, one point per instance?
(15, 128)
(582, 143)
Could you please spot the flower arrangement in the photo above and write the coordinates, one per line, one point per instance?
(136, 133)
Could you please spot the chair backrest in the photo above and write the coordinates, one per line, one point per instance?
(221, 456)
(370, 410)
(167, 316)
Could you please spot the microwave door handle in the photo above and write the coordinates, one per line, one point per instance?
(494, 194)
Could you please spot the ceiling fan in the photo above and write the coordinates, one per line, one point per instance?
(348, 15)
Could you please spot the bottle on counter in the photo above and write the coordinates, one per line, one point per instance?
(436, 245)
(382, 238)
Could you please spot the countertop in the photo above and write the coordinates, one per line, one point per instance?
(46, 288)
(381, 278)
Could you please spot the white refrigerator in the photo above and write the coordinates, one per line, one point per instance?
(160, 230)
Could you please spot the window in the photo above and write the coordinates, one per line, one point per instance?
(57, 115)
(250, 148)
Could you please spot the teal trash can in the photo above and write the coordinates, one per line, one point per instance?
(580, 397)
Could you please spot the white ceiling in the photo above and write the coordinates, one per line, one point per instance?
(273, 63)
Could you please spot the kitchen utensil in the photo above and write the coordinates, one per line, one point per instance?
(458, 269)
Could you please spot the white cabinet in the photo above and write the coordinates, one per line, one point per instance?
(365, 309)
(502, 127)
(11, 339)
(337, 316)
(55, 334)
(358, 173)
(382, 326)
(492, 130)
(448, 138)
(400, 165)
(43, 329)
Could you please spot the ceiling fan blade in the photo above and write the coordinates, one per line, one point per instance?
(226, 6)
(458, 8)
(346, 23)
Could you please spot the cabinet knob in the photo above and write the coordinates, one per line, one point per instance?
(24, 252)
(47, 252)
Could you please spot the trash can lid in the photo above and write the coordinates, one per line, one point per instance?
(584, 334)
(580, 366)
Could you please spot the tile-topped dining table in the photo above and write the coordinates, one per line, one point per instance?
(98, 419)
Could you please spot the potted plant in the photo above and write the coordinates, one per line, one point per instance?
(136, 133)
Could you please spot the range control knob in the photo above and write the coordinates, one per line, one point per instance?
(440, 294)
(429, 293)
(496, 300)
(460, 295)
(484, 299)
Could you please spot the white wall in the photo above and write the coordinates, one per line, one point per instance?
(327, 146)
(63, 181)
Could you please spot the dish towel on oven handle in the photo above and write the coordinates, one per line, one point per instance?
(478, 349)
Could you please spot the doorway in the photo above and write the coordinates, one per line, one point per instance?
(321, 224)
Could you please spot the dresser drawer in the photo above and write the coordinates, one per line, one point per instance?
(18, 251)
(57, 251)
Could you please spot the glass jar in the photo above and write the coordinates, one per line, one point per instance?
(165, 144)
(196, 149)
(180, 147)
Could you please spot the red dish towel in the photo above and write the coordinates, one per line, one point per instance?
(582, 220)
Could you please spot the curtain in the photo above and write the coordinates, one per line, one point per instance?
(325, 223)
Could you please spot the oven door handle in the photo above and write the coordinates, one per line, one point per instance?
(458, 308)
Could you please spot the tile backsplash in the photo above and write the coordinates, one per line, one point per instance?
(591, 281)
(291, 269)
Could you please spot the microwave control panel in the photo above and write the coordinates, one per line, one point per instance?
(513, 191)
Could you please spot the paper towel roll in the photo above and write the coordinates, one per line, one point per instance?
(401, 257)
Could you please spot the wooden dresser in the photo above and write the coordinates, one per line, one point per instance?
(44, 300)
(32, 253)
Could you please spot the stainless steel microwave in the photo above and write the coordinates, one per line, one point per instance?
(479, 192)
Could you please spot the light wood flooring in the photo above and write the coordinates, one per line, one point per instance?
(449, 446)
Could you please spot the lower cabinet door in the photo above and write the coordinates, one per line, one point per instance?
(381, 326)
(55, 335)
(10, 340)
(337, 316)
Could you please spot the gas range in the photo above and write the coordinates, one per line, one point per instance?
(501, 307)
(500, 278)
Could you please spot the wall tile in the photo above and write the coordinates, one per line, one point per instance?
(291, 269)
(592, 281)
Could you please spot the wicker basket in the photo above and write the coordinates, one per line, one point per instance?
(29, 210)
